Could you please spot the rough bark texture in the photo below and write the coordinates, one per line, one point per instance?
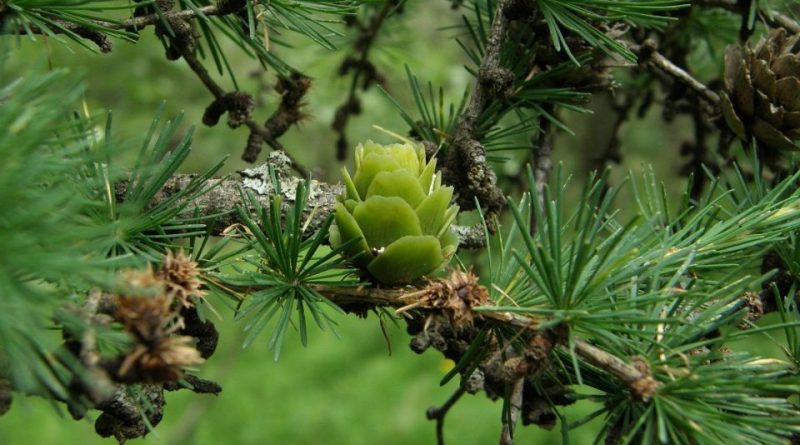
(226, 194)
(465, 166)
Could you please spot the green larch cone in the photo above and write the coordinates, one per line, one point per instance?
(762, 92)
(395, 213)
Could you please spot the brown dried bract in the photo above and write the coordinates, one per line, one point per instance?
(142, 283)
(456, 295)
(147, 318)
(163, 360)
(645, 386)
(181, 277)
(755, 310)
(151, 320)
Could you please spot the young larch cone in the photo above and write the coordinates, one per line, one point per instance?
(395, 216)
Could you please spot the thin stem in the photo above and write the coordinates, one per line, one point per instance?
(515, 407)
(490, 63)
(642, 383)
(362, 67)
(135, 24)
(439, 413)
(776, 19)
(542, 163)
(275, 126)
(465, 165)
(679, 74)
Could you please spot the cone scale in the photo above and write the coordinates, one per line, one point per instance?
(762, 92)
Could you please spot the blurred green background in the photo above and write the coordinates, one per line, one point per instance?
(335, 391)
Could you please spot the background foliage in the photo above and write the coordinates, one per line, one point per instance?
(337, 391)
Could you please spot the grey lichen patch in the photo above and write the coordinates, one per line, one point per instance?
(470, 237)
(122, 415)
(259, 179)
(262, 179)
(225, 193)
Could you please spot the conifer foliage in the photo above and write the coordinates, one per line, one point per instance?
(639, 307)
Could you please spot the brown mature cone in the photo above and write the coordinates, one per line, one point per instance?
(763, 92)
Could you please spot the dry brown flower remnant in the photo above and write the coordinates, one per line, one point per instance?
(181, 276)
(456, 295)
(152, 319)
